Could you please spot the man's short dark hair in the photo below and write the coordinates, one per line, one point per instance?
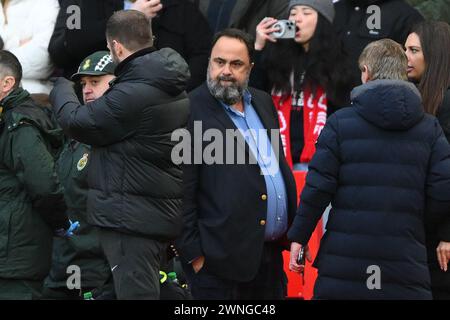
(131, 28)
(10, 66)
(240, 35)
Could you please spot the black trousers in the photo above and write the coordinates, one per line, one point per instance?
(135, 264)
(270, 282)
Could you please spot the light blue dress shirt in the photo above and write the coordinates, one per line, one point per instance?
(261, 148)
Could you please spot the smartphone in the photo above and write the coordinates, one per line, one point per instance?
(301, 257)
(286, 29)
(301, 261)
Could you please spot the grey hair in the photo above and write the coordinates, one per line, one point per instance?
(385, 59)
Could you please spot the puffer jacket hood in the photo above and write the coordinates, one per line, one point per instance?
(388, 104)
(164, 69)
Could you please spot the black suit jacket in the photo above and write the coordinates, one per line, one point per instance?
(225, 205)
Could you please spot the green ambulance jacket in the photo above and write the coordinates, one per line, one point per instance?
(83, 249)
(31, 198)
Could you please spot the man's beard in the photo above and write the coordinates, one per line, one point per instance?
(230, 94)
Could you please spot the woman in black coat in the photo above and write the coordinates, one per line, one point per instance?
(428, 52)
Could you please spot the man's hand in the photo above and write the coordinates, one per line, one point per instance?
(148, 7)
(295, 249)
(197, 264)
(443, 254)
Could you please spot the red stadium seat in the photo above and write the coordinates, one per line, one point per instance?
(296, 288)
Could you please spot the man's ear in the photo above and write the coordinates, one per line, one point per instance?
(365, 75)
(8, 84)
(115, 44)
(118, 47)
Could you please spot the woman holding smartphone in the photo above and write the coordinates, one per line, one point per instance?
(308, 75)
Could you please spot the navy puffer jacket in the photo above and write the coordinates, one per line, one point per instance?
(383, 164)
